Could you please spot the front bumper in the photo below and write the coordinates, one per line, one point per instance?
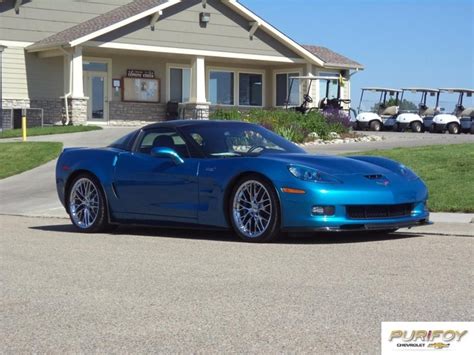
(297, 213)
(360, 227)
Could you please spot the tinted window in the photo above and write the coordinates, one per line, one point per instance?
(164, 138)
(237, 139)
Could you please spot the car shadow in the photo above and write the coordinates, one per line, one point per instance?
(227, 236)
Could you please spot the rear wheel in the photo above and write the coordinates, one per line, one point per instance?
(375, 126)
(453, 128)
(416, 127)
(86, 204)
(254, 210)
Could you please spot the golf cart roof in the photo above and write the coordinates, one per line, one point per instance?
(312, 77)
(458, 90)
(381, 89)
(421, 90)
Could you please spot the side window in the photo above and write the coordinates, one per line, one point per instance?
(165, 138)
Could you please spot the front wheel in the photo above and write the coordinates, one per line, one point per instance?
(375, 126)
(417, 127)
(86, 204)
(254, 210)
(453, 128)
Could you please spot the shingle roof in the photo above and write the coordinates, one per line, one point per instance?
(97, 23)
(331, 57)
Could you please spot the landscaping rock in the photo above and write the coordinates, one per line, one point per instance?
(334, 135)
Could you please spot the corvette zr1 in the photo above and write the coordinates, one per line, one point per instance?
(234, 175)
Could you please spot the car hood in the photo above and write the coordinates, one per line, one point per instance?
(333, 165)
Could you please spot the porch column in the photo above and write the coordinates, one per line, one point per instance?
(77, 103)
(77, 74)
(314, 92)
(198, 107)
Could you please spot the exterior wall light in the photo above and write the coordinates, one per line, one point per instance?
(205, 18)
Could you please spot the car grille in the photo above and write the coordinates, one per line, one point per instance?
(379, 211)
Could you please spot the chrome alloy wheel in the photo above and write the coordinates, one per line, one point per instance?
(84, 203)
(252, 209)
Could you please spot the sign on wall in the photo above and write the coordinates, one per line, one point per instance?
(140, 74)
(141, 86)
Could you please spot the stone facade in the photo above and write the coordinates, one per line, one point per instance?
(136, 111)
(78, 110)
(15, 103)
(197, 111)
(53, 110)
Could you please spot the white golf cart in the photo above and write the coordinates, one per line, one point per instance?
(330, 100)
(417, 119)
(379, 115)
(461, 120)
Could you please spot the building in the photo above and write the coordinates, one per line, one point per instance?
(123, 60)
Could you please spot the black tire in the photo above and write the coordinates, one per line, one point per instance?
(356, 126)
(396, 127)
(453, 128)
(375, 126)
(100, 221)
(237, 216)
(417, 127)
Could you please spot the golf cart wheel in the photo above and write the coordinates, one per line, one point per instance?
(356, 126)
(453, 128)
(375, 126)
(416, 127)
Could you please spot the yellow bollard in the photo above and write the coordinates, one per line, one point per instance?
(23, 127)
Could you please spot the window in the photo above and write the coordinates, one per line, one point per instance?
(221, 88)
(250, 89)
(283, 83)
(164, 138)
(94, 66)
(329, 88)
(180, 84)
(237, 139)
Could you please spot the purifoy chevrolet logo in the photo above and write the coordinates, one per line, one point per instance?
(436, 339)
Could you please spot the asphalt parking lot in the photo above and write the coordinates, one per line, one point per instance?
(149, 290)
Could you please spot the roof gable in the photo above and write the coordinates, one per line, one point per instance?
(140, 9)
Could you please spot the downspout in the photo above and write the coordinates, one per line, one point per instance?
(66, 96)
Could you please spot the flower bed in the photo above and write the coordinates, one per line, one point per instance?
(291, 125)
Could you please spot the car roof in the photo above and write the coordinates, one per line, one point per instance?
(186, 123)
(421, 89)
(458, 90)
(381, 89)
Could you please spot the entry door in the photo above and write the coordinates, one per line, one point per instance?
(95, 85)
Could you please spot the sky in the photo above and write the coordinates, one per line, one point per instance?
(401, 43)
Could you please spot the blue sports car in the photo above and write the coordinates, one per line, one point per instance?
(222, 174)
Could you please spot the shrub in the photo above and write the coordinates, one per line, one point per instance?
(290, 124)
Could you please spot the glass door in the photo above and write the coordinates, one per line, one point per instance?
(96, 89)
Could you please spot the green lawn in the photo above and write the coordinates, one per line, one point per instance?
(43, 131)
(21, 156)
(448, 171)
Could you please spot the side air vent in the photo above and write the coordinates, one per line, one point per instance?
(375, 177)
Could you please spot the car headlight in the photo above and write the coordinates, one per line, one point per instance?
(407, 173)
(309, 174)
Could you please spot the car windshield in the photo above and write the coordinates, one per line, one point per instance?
(234, 139)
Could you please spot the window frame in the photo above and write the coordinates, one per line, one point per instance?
(170, 66)
(236, 72)
(328, 73)
(286, 71)
(144, 132)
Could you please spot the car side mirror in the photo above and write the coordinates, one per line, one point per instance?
(163, 152)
